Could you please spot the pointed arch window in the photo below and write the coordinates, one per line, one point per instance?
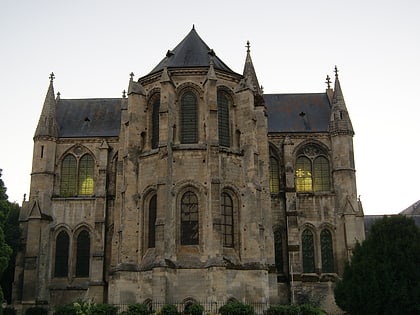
(308, 252)
(68, 176)
(278, 251)
(77, 176)
(152, 222)
(274, 175)
(189, 118)
(327, 255)
(227, 220)
(223, 119)
(312, 170)
(61, 262)
(155, 121)
(83, 254)
(189, 219)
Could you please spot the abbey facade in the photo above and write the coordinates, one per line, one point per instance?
(194, 186)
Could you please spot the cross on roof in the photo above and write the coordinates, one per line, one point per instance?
(247, 46)
(328, 82)
(52, 76)
(336, 71)
(131, 75)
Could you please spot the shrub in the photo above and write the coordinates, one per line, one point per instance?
(36, 310)
(138, 309)
(194, 309)
(103, 309)
(9, 311)
(66, 309)
(236, 308)
(169, 309)
(303, 309)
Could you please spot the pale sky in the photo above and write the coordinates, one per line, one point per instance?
(92, 46)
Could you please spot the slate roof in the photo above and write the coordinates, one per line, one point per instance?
(192, 51)
(97, 117)
(298, 112)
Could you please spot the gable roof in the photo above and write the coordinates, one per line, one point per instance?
(192, 51)
(298, 112)
(98, 117)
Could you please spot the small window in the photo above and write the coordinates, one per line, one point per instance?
(227, 220)
(83, 254)
(274, 175)
(308, 252)
(223, 119)
(189, 119)
(61, 265)
(155, 122)
(189, 219)
(152, 222)
(327, 255)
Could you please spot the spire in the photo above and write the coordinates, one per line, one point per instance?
(47, 124)
(249, 72)
(340, 122)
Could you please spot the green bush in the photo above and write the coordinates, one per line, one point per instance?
(169, 309)
(138, 309)
(66, 309)
(194, 309)
(104, 309)
(236, 308)
(36, 310)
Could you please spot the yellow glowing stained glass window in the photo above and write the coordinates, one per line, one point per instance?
(86, 169)
(303, 174)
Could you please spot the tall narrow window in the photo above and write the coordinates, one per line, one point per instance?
(321, 174)
(303, 174)
(223, 119)
(274, 175)
(155, 122)
(278, 251)
(227, 220)
(68, 176)
(86, 169)
(189, 119)
(152, 222)
(83, 254)
(189, 219)
(327, 255)
(308, 253)
(61, 264)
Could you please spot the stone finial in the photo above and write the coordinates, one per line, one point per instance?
(124, 94)
(336, 72)
(52, 77)
(328, 81)
(131, 75)
(248, 46)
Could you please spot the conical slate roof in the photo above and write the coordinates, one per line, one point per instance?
(192, 51)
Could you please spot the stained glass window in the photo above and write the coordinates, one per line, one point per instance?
(86, 169)
(303, 174)
(321, 174)
(327, 255)
(61, 266)
(155, 122)
(152, 222)
(82, 254)
(308, 253)
(223, 119)
(68, 176)
(227, 220)
(274, 175)
(189, 119)
(189, 219)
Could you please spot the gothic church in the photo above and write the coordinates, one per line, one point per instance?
(194, 186)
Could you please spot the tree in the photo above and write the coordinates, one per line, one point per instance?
(9, 213)
(383, 276)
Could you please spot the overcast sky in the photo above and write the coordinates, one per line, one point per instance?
(92, 46)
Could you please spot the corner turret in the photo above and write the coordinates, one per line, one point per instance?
(249, 72)
(47, 124)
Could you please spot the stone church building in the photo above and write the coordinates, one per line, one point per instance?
(193, 186)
